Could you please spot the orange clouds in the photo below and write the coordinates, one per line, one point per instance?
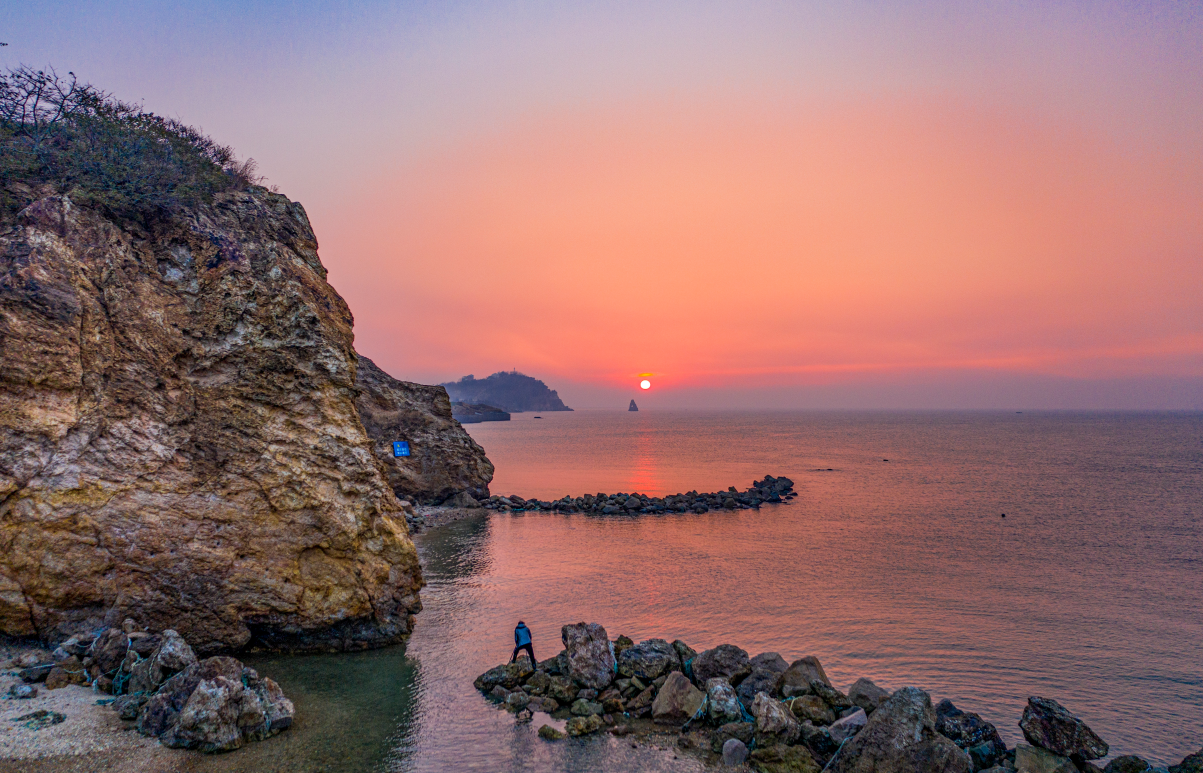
(743, 242)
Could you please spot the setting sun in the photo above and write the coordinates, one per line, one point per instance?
(645, 384)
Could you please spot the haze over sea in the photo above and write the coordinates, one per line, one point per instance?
(903, 571)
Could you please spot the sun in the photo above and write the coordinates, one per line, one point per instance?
(645, 384)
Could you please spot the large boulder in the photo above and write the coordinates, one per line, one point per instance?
(796, 679)
(108, 651)
(215, 705)
(445, 464)
(172, 656)
(1047, 724)
(678, 700)
(765, 670)
(867, 695)
(774, 722)
(589, 654)
(901, 737)
(724, 661)
(1191, 764)
(813, 708)
(722, 702)
(649, 660)
(976, 736)
(179, 437)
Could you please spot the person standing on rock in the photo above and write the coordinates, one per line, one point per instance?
(522, 642)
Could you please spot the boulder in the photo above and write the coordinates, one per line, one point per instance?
(143, 644)
(649, 660)
(70, 671)
(641, 703)
(784, 759)
(796, 679)
(1047, 724)
(494, 677)
(108, 651)
(585, 725)
(562, 689)
(742, 731)
(969, 731)
(557, 666)
(1192, 763)
(538, 683)
(722, 704)
(129, 706)
(846, 727)
(867, 695)
(517, 701)
(811, 707)
(678, 700)
(901, 737)
(621, 643)
(760, 680)
(549, 733)
(1033, 759)
(37, 673)
(20, 691)
(214, 705)
(172, 656)
(724, 661)
(735, 752)
(585, 708)
(589, 654)
(1129, 763)
(774, 722)
(835, 699)
(685, 653)
(819, 741)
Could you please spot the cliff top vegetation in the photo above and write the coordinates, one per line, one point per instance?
(71, 137)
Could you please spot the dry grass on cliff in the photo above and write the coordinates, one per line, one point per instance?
(56, 131)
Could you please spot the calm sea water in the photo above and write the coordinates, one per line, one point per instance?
(1090, 591)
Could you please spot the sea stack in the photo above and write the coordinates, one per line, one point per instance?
(633, 406)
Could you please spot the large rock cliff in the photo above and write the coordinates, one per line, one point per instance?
(179, 438)
(444, 459)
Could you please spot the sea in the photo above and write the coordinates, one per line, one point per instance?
(983, 557)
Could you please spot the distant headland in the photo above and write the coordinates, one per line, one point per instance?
(510, 391)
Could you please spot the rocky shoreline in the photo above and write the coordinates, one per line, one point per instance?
(770, 490)
(779, 717)
(156, 682)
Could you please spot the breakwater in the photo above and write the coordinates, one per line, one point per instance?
(778, 716)
(769, 490)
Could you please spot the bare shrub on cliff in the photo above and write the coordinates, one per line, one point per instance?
(56, 131)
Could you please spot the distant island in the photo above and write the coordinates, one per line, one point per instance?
(633, 406)
(509, 391)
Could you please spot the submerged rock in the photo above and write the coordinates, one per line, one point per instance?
(550, 733)
(1047, 724)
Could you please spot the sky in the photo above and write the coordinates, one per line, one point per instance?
(760, 204)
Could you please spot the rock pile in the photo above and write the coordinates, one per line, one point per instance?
(770, 490)
(212, 705)
(781, 717)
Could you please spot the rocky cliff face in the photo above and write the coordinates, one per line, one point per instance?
(179, 439)
(444, 460)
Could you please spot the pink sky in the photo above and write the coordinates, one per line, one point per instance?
(896, 205)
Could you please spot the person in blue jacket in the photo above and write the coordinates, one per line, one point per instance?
(522, 642)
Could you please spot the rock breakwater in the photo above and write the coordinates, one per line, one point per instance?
(781, 717)
(770, 490)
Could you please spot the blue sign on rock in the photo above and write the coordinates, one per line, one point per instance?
(400, 448)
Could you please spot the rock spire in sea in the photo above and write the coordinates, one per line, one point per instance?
(633, 406)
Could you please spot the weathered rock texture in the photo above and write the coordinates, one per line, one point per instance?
(179, 440)
(444, 461)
